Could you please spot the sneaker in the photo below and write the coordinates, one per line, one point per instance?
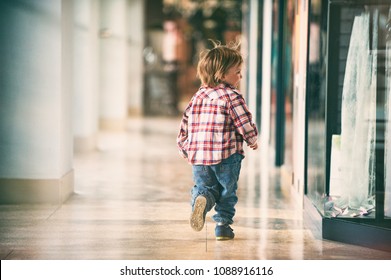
(197, 218)
(224, 232)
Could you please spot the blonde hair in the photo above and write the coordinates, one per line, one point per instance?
(214, 63)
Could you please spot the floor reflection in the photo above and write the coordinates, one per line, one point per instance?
(132, 201)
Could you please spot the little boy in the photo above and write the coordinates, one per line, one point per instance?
(213, 128)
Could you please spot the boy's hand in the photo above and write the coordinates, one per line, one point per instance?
(254, 146)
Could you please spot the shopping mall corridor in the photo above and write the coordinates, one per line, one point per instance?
(131, 202)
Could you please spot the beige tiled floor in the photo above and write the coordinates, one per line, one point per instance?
(131, 202)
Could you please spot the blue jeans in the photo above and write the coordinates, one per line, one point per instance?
(218, 183)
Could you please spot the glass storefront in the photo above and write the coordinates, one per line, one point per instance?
(282, 75)
(348, 91)
(387, 79)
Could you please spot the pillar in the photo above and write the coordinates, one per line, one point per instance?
(113, 64)
(266, 74)
(35, 124)
(136, 58)
(85, 75)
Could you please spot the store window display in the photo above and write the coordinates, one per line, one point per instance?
(356, 142)
(348, 148)
(358, 114)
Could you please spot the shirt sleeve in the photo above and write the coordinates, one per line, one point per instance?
(242, 119)
(182, 138)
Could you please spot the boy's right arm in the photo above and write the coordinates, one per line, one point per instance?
(182, 142)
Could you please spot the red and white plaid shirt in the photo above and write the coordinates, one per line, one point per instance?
(214, 125)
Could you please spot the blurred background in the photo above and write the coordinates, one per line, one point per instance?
(71, 69)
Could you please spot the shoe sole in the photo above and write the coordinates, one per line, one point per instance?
(222, 238)
(197, 218)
